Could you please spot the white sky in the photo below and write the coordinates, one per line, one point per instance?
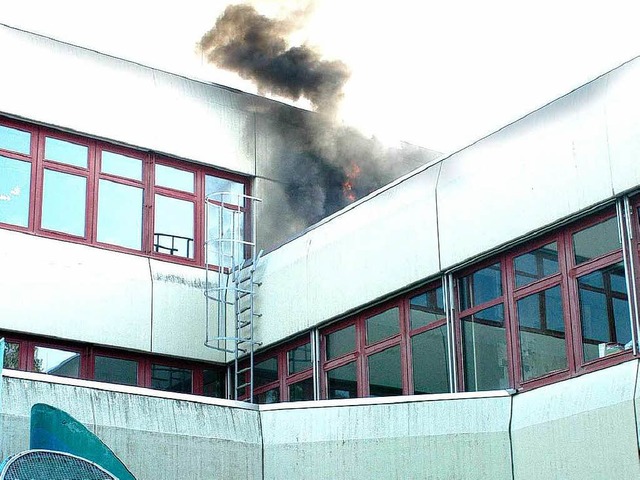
(440, 74)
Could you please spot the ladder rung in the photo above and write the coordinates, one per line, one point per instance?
(242, 310)
(243, 385)
(244, 324)
(243, 370)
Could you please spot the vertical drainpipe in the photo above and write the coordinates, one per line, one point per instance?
(315, 357)
(449, 303)
(625, 212)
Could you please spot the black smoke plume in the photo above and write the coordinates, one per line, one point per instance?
(318, 165)
(255, 47)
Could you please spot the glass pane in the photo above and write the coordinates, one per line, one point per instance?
(383, 325)
(116, 370)
(302, 390)
(604, 312)
(56, 362)
(213, 382)
(66, 152)
(299, 358)
(174, 178)
(15, 188)
(537, 264)
(220, 252)
(173, 227)
(342, 381)
(385, 375)
(430, 365)
(171, 379)
(219, 185)
(120, 214)
(63, 202)
(270, 396)
(15, 140)
(485, 350)
(11, 355)
(121, 165)
(542, 341)
(426, 308)
(596, 240)
(341, 342)
(480, 287)
(265, 372)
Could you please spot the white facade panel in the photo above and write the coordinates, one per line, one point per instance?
(423, 439)
(623, 125)
(381, 245)
(593, 415)
(62, 289)
(78, 89)
(545, 167)
(178, 327)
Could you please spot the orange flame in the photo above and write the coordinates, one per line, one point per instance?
(347, 187)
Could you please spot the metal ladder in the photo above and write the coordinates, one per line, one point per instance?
(230, 270)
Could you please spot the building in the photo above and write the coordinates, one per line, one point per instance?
(472, 319)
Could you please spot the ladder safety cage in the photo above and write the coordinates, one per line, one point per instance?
(230, 269)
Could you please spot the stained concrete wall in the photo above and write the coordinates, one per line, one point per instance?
(50, 287)
(585, 428)
(157, 438)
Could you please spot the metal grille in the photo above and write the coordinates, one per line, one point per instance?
(49, 465)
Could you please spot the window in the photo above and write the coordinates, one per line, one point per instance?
(483, 330)
(560, 304)
(82, 190)
(398, 348)
(75, 360)
(283, 374)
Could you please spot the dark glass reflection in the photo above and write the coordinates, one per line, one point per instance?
(56, 362)
(11, 355)
(63, 203)
(66, 152)
(342, 381)
(265, 372)
(213, 382)
(484, 347)
(604, 312)
(121, 165)
(173, 227)
(542, 339)
(15, 140)
(426, 308)
(15, 185)
(430, 365)
(235, 190)
(120, 214)
(270, 396)
(174, 178)
(385, 373)
(341, 342)
(301, 391)
(116, 370)
(299, 358)
(171, 379)
(480, 287)
(536, 264)
(383, 325)
(596, 240)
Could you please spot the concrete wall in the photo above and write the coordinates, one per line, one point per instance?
(61, 289)
(585, 428)
(157, 438)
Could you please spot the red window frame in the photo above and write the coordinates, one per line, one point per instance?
(88, 354)
(362, 351)
(567, 279)
(284, 378)
(93, 174)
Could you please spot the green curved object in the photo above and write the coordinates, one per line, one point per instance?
(54, 429)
